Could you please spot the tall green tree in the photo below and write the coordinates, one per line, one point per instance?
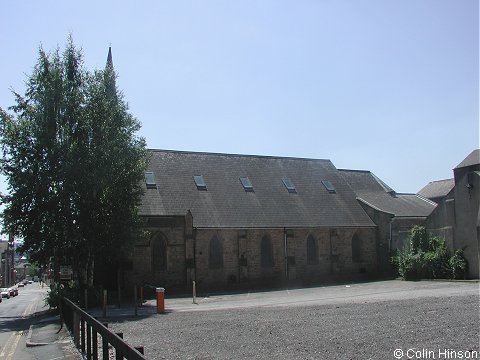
(74, 164)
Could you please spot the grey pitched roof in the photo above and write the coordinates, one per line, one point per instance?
(225, 203)
(437, 189)
(472, 159)
(374, 192)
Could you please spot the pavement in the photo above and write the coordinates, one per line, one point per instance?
(319, 295)
(48, 339)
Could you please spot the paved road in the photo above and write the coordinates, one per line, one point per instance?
(24, 320)
(14, 325)
(427, 319)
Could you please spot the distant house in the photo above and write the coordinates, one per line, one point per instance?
(228, 221)
(457, 216)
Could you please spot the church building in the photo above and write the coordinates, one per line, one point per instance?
(238, 221)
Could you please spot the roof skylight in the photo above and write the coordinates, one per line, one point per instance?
(328, 185)
(247, 185)
(150, 180)
(200, 182)
(289, 185)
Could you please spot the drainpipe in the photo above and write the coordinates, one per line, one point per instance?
(194, 238)
(238, 258)
(390, 239)
(286, 254)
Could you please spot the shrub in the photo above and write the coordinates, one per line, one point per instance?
(427, 256)
(458, 265)
(56, 292)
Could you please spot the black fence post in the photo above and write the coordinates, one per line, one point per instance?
(82, 329)
(89, 341)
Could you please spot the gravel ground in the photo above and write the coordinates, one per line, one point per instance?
(423, 328)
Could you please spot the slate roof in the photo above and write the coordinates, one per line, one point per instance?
(437, 189)
(375, 193)
(472, 159)
(225, 203)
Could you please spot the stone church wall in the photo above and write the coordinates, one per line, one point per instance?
(189, 256)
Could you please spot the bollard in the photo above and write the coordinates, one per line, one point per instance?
(194, 293)
(135, 299)
(160, 300)
(104, 305)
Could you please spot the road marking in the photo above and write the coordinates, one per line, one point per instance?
(2, 354)
(28, 310)
(14, 346)
(10, 345)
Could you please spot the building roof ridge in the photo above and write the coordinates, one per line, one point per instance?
(441, 180)
(355, 170)
(237, 155)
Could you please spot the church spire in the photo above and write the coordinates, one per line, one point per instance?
(110, 76)
(109, 57)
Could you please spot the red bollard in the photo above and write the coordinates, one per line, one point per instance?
(160, 300)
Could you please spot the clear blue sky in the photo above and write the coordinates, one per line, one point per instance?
(387, 86)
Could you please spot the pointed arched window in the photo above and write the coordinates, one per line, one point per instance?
(215, 253)
(356, 248)
(312, 257)
(266, 252)
(159, 252)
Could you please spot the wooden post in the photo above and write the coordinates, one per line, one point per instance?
(119, 289)
(135, 299)
(104, 303)
(194, 291)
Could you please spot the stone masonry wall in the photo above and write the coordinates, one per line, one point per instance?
(188, 257)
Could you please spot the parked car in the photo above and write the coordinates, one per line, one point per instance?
(20, 284)
(5, 293)
(13, 291)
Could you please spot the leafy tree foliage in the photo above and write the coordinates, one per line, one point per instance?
(427, 256)
(73, 163)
